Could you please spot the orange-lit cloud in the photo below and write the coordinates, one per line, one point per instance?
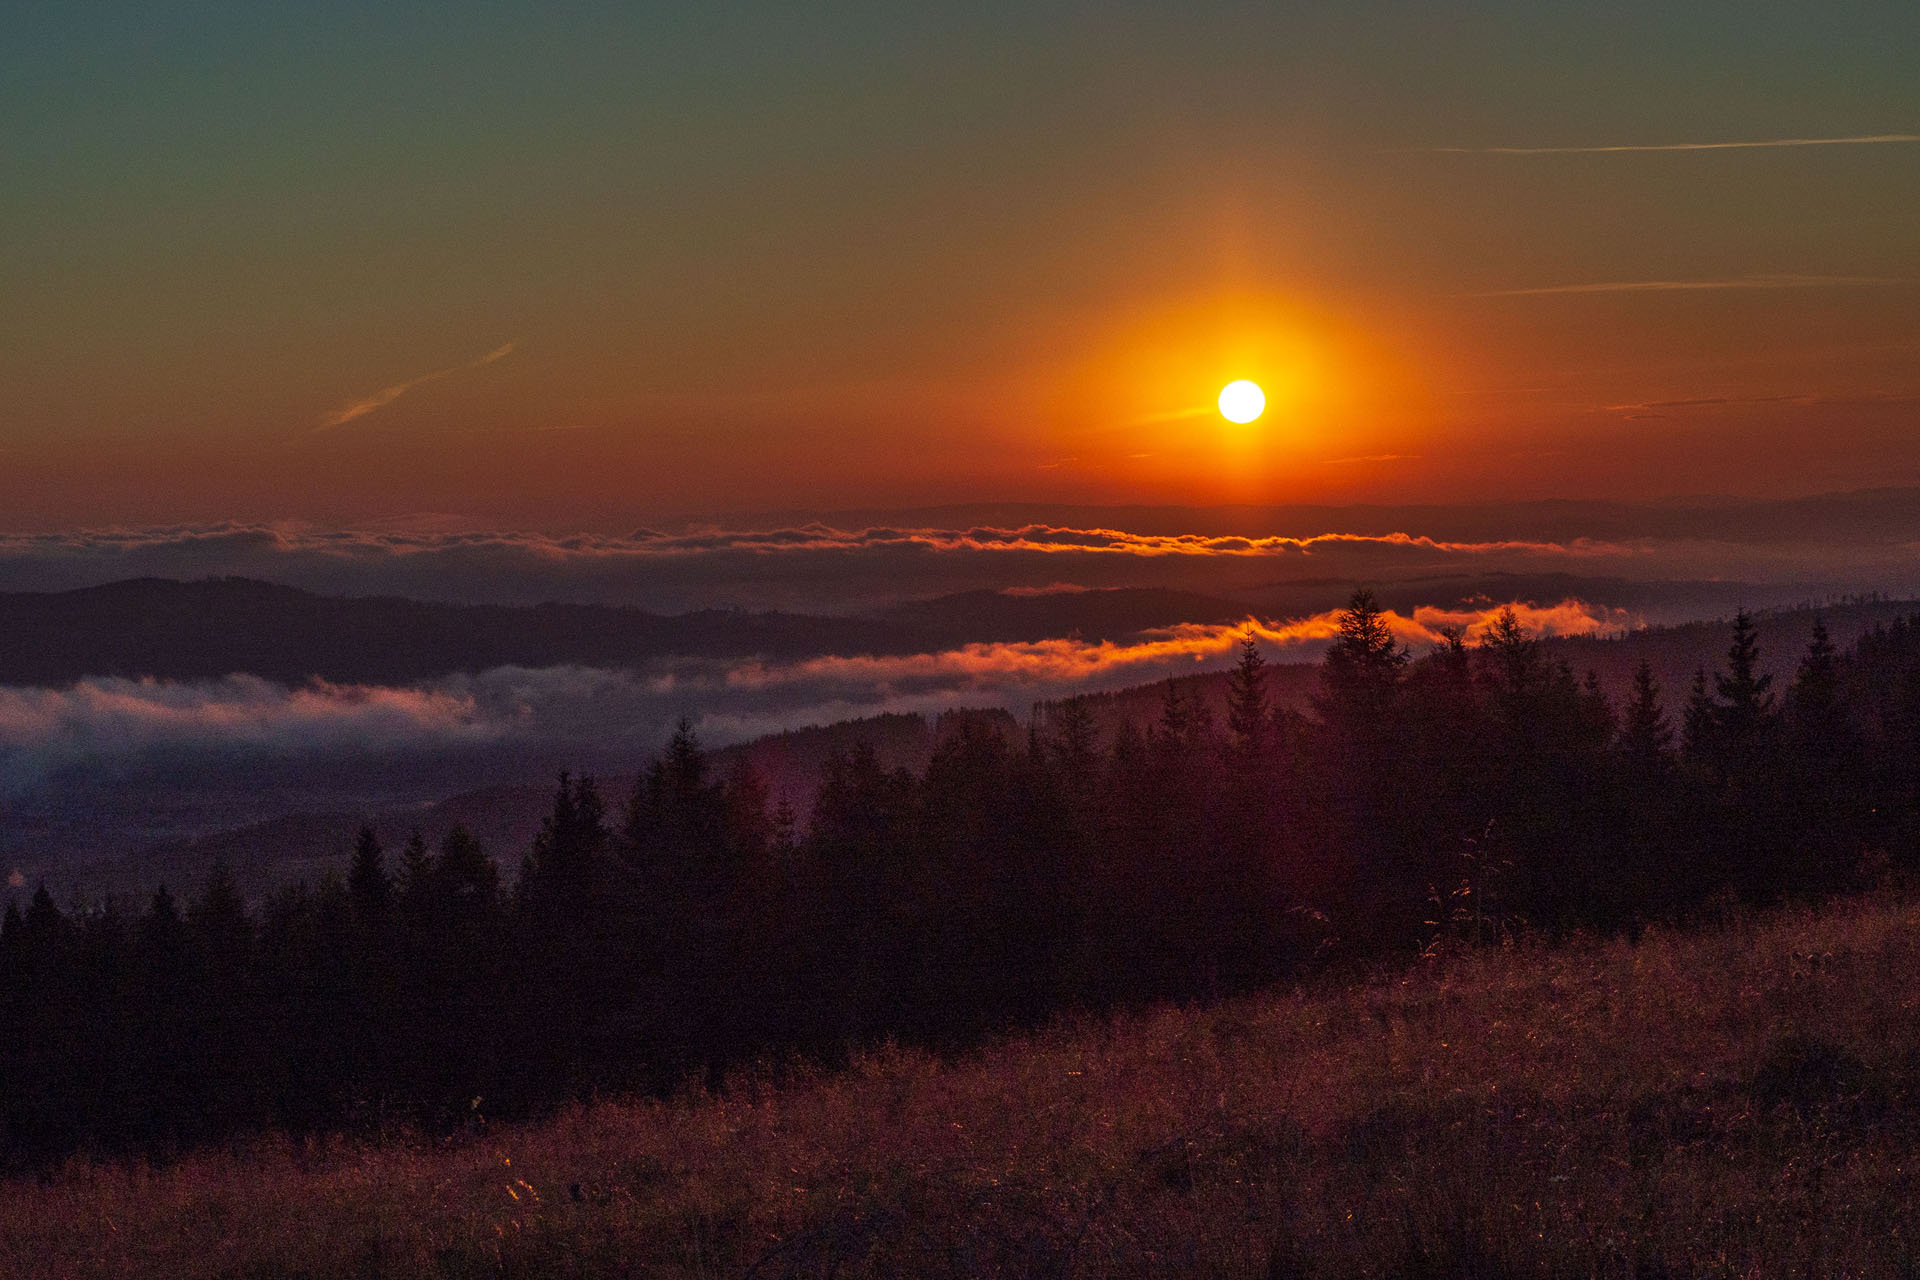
(141, 550)
(976, 668)
(1850, 544)
(105, 724)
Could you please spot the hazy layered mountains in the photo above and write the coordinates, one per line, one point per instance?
(203, 630)
(169, 630)
(443, 713)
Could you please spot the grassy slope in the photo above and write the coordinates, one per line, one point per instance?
(1742, 1100)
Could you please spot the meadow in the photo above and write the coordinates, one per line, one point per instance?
(1737, 1098)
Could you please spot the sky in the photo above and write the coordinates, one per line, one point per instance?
(580, 267)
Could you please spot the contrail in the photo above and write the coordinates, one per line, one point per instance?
(1862, 140)
(387, 395)
(1681, 286)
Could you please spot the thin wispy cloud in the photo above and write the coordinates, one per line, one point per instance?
(387, 395)
(1691, 286)
(1870, 139)
(1369, 457)
(1660, 408)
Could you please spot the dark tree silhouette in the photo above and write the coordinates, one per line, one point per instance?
(1362, 670)
(368, 884)
(1646, 737)
(1479, 790)
(1249, 718)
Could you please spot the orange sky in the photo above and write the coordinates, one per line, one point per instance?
(588, 270)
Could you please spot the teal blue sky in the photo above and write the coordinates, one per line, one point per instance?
(620, 261)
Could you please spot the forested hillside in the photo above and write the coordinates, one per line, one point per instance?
(1741, 1098)
(693, 925)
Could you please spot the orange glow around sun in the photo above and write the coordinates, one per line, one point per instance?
(1146, 410)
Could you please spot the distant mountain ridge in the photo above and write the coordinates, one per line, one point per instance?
(505, 817)
(214, 627)
(218, 626)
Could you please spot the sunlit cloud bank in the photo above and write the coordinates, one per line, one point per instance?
(1058, 665)
(820, 569)
(606, 718)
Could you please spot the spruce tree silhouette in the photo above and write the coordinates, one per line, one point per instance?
(1249, 719)
(1361, 765)
(368, 884)
(1646, 736)
(1745, 701)
(572, 940)
(463, 882)
(676, 829)
(1824, 750)
(1700, 738)
(1000, 885)
(1363, 669)
(416, 888)
(1816, 714)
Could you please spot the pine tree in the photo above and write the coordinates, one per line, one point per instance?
(368, 884)
(418, 891)
(1248, 720)
(1646, 738)
(1814, 709)
(1596, 711)
(1699, 736)
(1073, 739)
(1516, 666)
(1178, 719)
(1363, 669)
(560, 877)
(466, 884)
(218, 919)
(677, 825)
(162, 931)
(1745, 700)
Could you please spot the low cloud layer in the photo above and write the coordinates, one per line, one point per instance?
(806, 569)
(601, 718)
(1844, 543)
(811, 568)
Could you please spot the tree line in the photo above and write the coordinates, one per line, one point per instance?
(690, 927)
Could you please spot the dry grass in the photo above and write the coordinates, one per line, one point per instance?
(1741, 1101)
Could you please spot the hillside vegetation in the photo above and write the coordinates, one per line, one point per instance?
(1741, 1099)
(698, 928)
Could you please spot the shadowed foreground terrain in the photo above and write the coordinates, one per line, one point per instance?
(1742, 1099)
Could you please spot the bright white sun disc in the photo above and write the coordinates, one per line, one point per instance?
(1242, 401)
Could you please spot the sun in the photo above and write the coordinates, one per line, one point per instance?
(1242, 401)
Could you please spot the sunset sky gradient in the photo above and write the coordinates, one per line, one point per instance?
(580, 266)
